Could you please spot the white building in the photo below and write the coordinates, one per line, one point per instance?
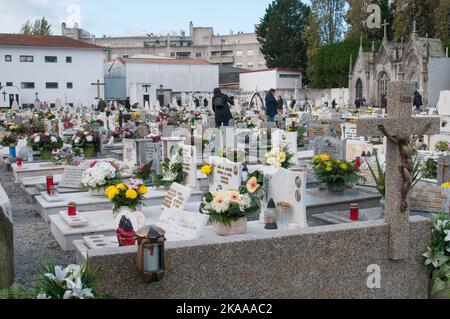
(148, 79)
(263, 80)
(49, 68)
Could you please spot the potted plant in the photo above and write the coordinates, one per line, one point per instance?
(335, 173)
(87, 141)
(45, 143)
(437, 257)
(228, 211)
(99, 176)
(280, 158)
(127, 198)
(144, 171)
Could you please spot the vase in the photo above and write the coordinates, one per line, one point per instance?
(336, 187)
(97, 192)
(12, 151)
(137, 218)
(89, 151)
(236, 227)
(46, 155)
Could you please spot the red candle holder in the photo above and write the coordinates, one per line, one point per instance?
(354, 212)
(49, 184)
(19, 162)
(358, 162)
(72, 209)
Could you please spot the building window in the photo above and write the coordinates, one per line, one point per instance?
(289, 76)
(250, 52)
(172, 54)
(239, 65)
(26, 58)
(51, 59)
(198, 54)
(51, 85)
(9, 84)
(8, 58)
(69, 85)
(238, 53)
(27, 85)
(68, 59)
(250, 65)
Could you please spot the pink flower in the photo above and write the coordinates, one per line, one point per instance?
(93, 164)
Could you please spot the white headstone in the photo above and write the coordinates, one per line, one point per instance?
(443, 105)
(71, 177)
(177, 196)
(226, 175)
(129, 153)
(181, 225)
(282, 139)
(356, 148)
(189, 163)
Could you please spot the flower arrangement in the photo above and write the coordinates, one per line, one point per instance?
(437, 257)
(442, 146)
(69, 156)
(226, 207)
(45, 141)
(332, 171)
(144, 171)
(16, 128)
(156, 138)
(280, 158)
(66, 118)
(72, 282)
(68, 125)
(254, 183)
(121, 133)
(9, 141)
(85, 138)
(249, 122)
(206, 170)
(172, 172)
(130, 194)
(50, 116)
(100, 175)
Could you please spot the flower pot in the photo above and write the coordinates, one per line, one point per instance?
(97, 192)
(46, 155)
(12, 151)
(137, 218)
(236, 227)
(89, 151)
(336, 188)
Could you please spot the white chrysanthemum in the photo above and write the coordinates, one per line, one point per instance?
(53, 139)
(89, 138)
(37, 139)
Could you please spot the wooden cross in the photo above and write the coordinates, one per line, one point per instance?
(399, 126)
(98, 85)
(147, 86)
(4, 95)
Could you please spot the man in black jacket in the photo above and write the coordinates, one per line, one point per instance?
(221, 107)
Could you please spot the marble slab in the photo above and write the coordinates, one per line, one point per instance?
(34, 180)
(37, 169)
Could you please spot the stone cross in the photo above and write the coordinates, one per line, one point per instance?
(98, 85)
(399, 126)
(385, 24)
(4, 95)
(146, 86)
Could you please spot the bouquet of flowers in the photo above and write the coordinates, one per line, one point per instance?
(280, 158)
(130, 194)
(172, 172)
(162, 120)
(34, 127)
(254, 183)
(66, 118)
(144, 171)
(69, 156)
(121, 133)
(72, 282)
(68, 125)
(49, 116)
(85, 138)
(226, 207)
(249, 122)
(45, 141)
(100, 175)
(156, 138)
(335, 171)
(9, 141)
(16, 128)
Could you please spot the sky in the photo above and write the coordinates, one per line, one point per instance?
(132, 17)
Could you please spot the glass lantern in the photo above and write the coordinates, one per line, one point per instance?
(150, 260)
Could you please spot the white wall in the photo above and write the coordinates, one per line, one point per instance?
(86, 68)
(261, 81)
(438, 79)
(175, 77)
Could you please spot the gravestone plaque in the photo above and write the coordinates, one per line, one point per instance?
(189, 163)
(317, 130)
(71, 177)
(129, 153)
(226, 175)
(349, 131)
(282, 139)
(181, 225)
(177, 196)
(358, 148)
(169, 145)
(334, 147)
(153, 154)
(443, 175)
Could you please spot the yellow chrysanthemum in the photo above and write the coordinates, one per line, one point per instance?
(324, 157)
(112, 192)
(329, 168)
(131, 194)
(343, 166)
(142, 190)
(206, 170)
(446, 185)
(122, 187)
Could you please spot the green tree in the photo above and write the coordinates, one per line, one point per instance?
(330, 14)
(312, 37)
(281, 34)
(40, 26)
(442, 16)
(408, 11)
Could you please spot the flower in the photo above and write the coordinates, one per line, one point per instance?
(252, 185)
(446, 185)
(37, 139)
(89, 138)
(324, 157)
(122, 187)
(435, 259)
(142, 190)
(235, 197)
(282, 157)
(112, 192)
(206, 170)
(131, 194)
(343, 166)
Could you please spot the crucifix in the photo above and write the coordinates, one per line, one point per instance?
(146, 86)
(98, 85)
(398, 127)
(4, 95)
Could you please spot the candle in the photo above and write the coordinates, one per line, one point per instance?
(49, 183)
(354, 212)
(19, 162)
(72, 209)
(152, 262)
(358, 162)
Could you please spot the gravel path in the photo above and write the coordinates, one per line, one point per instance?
(34, 244)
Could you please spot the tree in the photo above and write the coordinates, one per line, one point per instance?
(40, 26)
(442, 16)
(330, 15)
(281, 34)
(312, 37)
(408, 11)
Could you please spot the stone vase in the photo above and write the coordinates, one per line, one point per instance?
(336, 188)
(46, 155)
(237, 227)
(97, 192)
(137, 218)
(89, 151)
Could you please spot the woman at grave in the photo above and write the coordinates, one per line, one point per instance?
(221, 107)
(271, 106)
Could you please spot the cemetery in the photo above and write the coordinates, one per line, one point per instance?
(188, 191)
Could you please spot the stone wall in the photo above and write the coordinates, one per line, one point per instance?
(320, 262)
(427, 196)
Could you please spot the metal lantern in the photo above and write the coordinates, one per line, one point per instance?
(150, 260)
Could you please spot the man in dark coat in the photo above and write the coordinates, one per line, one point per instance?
(221, 107)
(271, 105)
(417, 100)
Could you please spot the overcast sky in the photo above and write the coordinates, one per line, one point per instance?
(114, 17)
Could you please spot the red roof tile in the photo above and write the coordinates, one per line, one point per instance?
(31, 40)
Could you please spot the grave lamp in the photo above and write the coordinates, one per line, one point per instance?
(150, 259)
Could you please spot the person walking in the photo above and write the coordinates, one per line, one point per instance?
(417, 100)
(271, 105)
(221, 107)
(358, 103)
(333, 104)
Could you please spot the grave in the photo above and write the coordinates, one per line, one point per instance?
(137, 152)
(282, 139)
(37, 169)
(334, 147)
(226, 175)
(189, 162)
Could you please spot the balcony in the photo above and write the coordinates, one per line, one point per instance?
(223, 60)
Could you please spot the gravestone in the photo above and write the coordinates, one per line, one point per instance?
(182, 225)
(6, 242)
(399, 125)
(169, 144)
(315, 130)
(138, 152)
(177, 196)
(226, 175)
(189, 162)
(349, 131)
(334, 147)
(129, 153)
(153, 154)
(358, 148)
(443, 170)
(71, 177)
(282, 139)
(443, 105)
